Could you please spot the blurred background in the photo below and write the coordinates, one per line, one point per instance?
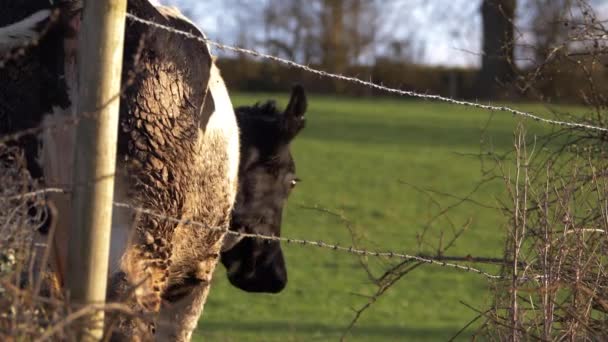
(398, 174)
(454, 48)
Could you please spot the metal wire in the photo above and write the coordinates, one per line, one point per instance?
(368, 83)
(291, 241)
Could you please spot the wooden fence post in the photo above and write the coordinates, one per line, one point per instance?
(100, 51)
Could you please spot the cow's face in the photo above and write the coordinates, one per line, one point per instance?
(267, 175)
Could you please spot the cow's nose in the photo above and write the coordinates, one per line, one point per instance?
(269, 279)
(276, 279)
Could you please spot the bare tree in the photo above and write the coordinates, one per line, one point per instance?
(334, 33)
(333, 42)
(548, 27)
(289, 29)
(362, 28)
(498, 17)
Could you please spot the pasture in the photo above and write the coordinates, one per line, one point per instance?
(367, 159)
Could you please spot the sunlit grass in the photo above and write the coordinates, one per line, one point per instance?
(364, 158)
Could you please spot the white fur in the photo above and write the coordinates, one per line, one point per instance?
(172, 12)
(56, 154)
(224, 121)
(122, 224)
(22, 32)
(177, 322)
(57, 145)
(56, 160)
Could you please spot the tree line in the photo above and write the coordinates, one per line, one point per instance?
(369, 35)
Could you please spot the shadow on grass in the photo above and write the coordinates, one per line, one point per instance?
(297, 328)
(410, 134)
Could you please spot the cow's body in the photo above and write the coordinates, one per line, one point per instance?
(178, 154)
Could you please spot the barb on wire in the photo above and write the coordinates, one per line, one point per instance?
(440, 261)
(62, 124)
(319, 244)
(74, 119)
(368, 83)
(31, 194)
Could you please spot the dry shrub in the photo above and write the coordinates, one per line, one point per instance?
(26, 305)
(557, 287)
(558, 231)
(558, 237)
(33, 305)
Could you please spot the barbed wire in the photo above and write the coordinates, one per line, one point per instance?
(31, 194)
(367, 83)
(303, 242)
(69, 121)
(75, 119)
(292, 241)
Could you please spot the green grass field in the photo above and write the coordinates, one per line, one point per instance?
(356, 157)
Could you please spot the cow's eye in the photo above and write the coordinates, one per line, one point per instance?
(294, 182)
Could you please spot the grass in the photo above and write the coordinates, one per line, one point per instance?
(357, 157)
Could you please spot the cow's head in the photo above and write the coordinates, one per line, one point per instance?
(267, 174)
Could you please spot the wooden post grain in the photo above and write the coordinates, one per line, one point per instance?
(100, 51)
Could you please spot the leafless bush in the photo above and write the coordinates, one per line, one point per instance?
(33, 305)
(554, 267)
(567, 59)
(26, 306)
(556, 287)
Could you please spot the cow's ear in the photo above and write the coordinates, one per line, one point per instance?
(294, 113)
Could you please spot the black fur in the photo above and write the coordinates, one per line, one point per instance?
(267, 174)
(33, 84)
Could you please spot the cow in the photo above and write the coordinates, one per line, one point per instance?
(267, 176)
